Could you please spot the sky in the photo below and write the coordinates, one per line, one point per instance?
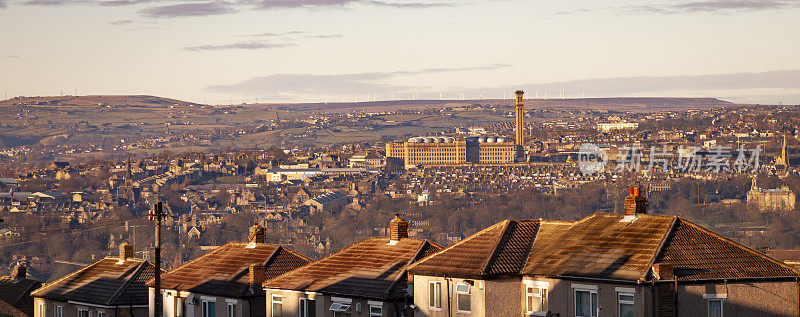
(233, 51)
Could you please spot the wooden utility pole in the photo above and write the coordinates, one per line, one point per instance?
(155, 215)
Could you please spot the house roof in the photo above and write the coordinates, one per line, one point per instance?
(7, 309)
(499, 249)
(225, 271)
(103, 282)
(14, 291)
(602, 246)
(373, 268)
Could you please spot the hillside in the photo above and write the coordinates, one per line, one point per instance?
(85, 101)
(636, 104)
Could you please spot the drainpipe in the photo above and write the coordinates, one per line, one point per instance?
(676, 297)
(449, 306)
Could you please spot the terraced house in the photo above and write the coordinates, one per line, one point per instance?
(225, 282)
(626, 265)
(111, 287)
(365, 279)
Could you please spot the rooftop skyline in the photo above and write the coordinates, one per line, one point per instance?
(346, 50)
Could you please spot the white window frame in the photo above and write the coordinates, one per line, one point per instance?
(339, 307)
(204, 308)
(42, 310)
(467, 293)
(82, 310)
(721, 301)
(621, 301)
(378, 314)
(230, 309)
(101, 313)
(58, 311)
(276, 299)
(536, 294)
(575, 300)
(437, 300)
(304, 306)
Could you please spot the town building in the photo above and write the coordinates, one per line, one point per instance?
(444, 151)
(225, 282)
(111, 287)
(775, 199)
(365, 279)
(631, 264)
(15, 292)
(616, 126)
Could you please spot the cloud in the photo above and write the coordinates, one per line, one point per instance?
(121, 22)
(189, 10)
(325, 36)
(286, 4)
(2, 4)
(333, 84)
(239, 46)
(715, 6)
(271, 34)
(10, 57)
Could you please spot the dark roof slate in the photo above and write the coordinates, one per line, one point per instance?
(101, 283)
(372, 268)
(225, 270)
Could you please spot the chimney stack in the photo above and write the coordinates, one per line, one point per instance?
(398, 228)
(520, 124)
(258, 273)
(634, 203)
(125, 251)
(20, 272)
(256, 234)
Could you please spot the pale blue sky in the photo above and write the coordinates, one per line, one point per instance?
(313, 50)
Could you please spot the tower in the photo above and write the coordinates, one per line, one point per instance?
(784, 158)
(520, 128)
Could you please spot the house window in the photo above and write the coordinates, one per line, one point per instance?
(59, 311)
(375, 311)
(585, 303)
(308, 307)
(463, 298)
(626, 301)
(83, 312)
(435, 295)
(231, 309)
(42, 311)
(340, 309)
(209, 308)
(715, 307)
(277, 306)
(101, 313)
(535, 299)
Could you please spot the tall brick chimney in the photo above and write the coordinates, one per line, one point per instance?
(256, 234)
(125, 251)
(398, 228)
(20, 272)
(258, 273)
(634, 202)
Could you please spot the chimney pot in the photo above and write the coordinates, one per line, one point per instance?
(398, 228)
(20, 272)
(125, 251)
(634, 202)
(256, 234)
(663, 271)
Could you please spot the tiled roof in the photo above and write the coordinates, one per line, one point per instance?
(7, 309)
(101, 283)
(697, 253)
(17, 292)
(599, 246)
(225, 270)
(372, 268)
(604, 246)
(499, 249)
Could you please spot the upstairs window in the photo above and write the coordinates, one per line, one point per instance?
(308, 307)
(715, 308)
(626, 304)
(277, 306)
(585, 303)
(435, 295)
(535, 299)
(464, 298)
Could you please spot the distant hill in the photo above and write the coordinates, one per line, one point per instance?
(637, 104)
(132, 100)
